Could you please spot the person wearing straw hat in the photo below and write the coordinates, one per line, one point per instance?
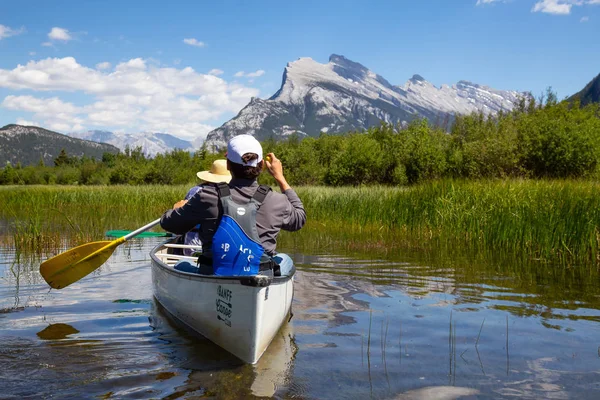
(218, 173)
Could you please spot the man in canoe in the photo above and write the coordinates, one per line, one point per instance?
(240, 221)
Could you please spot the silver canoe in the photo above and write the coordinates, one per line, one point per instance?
(240, 314)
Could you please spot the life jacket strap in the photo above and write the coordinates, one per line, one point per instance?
(223, 189)
(261, 193)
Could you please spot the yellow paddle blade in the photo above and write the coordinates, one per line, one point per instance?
(72, 265)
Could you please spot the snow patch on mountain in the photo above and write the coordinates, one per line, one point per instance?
(151, 143)
(343, 96)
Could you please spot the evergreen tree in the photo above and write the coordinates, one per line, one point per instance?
(62, 159)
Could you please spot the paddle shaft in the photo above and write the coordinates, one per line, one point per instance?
(120, 233)
(121, 240)
(142, 229)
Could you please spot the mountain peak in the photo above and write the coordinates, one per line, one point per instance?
(346, 63)
(337, 58)
(589, 94)
(29, 144)
(152, 143)
(300, 61)
(343, 96)
(468, 83)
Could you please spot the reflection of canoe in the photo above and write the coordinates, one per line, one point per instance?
(273, 369)
(211, 369)
(240, 314)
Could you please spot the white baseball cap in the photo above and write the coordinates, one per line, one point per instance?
(242, 144)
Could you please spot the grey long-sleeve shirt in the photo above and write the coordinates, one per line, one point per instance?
(278, 211)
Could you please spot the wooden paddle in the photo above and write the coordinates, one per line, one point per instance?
(72, 265)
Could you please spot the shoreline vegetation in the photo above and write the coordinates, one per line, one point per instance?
(539, 139)
(523, 184)
(550, 221)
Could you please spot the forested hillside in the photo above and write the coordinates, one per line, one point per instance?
(28, 145)
(536, 140)
(589, 94)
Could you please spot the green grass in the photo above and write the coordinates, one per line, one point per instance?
(540, 220)
(43, 217)
(547, 220)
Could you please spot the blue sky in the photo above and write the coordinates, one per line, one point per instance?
(185, 67)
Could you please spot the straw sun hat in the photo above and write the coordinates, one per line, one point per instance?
(218, 172)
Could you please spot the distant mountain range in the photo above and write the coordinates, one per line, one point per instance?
(151, 143)
(29, 144)
(343, 96)
(336, 97)
(589, 94)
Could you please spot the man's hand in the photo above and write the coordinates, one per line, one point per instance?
(276, 169)
(274, 166)
(180, 203)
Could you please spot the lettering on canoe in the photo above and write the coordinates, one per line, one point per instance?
(223, 304)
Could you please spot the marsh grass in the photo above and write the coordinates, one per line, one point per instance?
(553, 221)
(39, 218)
(543, 220)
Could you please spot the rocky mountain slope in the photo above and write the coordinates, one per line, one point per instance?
(29, 144)
(151, 143)
(343, 96)
(589, 94)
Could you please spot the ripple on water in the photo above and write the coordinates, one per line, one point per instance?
(362, 328)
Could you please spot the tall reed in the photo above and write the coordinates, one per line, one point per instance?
(550, 220)
(546, 220)
(38, 217)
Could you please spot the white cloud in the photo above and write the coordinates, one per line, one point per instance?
(560, 7)
(136, 95)
(215, 72)
(556, 7)
(103, 65)
(193, 42)
(47, 44)
(32, 53)
(584, 19)
(56, 114)
(6, 31)
(57, 33)
(482, 2)
(133, 64)
(48, 106)
(255, 74)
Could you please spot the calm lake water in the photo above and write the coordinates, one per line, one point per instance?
(401, 328)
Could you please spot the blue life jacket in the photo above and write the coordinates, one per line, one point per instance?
(236, 247)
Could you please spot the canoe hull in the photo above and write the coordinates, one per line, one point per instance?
(241, 319)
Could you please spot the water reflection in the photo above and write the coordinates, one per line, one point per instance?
(214, 370)
(56, 332)
(397, 328)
